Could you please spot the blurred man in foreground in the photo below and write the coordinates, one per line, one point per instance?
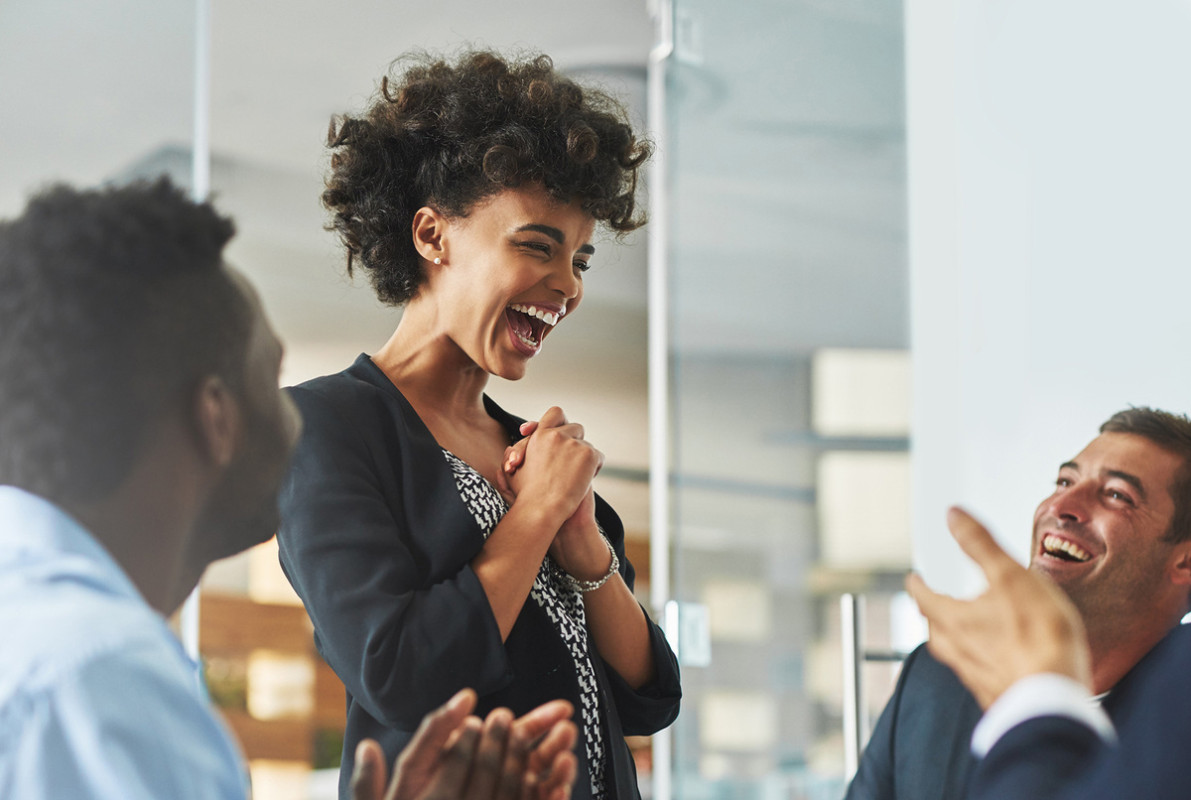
(143, 436)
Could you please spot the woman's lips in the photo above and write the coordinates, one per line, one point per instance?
(529, 323)
(524, 333)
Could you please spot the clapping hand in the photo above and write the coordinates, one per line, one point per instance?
(454, 756)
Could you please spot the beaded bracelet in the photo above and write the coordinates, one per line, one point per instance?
(591, 586)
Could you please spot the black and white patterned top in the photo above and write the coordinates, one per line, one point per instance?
(562, 603)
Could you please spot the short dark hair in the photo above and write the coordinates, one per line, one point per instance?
(1171, 432)
(114, 304)
(448, 135)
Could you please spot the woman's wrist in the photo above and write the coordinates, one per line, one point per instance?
(582, 585)
(541, 510)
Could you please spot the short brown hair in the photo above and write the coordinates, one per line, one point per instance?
(1171, 432)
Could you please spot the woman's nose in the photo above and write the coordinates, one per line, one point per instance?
(566, 282)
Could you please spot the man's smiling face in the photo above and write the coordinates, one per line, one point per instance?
(1100, 535)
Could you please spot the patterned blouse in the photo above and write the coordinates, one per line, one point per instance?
(562, 603)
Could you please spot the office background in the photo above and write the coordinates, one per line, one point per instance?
(902, 255)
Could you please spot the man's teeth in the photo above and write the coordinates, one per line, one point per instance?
(1053, 545)
(548, 317)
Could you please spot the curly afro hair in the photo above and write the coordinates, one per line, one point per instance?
(451, 134)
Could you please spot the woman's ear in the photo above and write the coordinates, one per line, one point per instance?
(429, 227)
(217, 415)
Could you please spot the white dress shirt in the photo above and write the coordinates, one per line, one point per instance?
(1042, 695)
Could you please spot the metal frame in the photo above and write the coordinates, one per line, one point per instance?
(662, 12)
(855, 709)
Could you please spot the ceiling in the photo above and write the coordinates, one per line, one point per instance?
(786, 157)
(786, 141)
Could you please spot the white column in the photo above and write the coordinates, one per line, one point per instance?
(1049, 165)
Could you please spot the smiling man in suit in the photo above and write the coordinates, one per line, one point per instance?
(1022, 649)
(1115, 537)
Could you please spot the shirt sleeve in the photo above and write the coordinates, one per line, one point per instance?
(392, 607)
(127, 725)
(1040, 695)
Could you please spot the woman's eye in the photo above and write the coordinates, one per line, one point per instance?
(582, 266)
(540, 247)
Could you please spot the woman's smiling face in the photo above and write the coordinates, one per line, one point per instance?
(511, 270)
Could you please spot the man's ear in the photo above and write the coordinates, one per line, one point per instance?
(1180, 568)
(429, 225)
(217, 416)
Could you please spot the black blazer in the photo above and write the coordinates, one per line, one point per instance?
(377, 542)
(921, 746)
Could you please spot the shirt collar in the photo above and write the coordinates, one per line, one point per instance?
(31, 526)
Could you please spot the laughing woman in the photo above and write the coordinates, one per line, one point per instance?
(437, 541)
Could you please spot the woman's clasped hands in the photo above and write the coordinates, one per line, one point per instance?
(554, 466)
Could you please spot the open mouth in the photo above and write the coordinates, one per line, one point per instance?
(529, 323)
(1064, 550)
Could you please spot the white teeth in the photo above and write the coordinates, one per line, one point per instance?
(526, 340)
(1053, 544)
(548, 317)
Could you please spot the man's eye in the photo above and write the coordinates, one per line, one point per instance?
(1115, 494)
(1061, 481)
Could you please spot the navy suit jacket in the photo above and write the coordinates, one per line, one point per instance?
(920, 747)
(1054, 758)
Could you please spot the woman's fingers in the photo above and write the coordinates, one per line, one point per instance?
(552, 418)
(514, 456)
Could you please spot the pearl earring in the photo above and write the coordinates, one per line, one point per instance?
(437, 260)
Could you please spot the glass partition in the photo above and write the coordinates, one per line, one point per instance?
(788, 378)
(70, 71)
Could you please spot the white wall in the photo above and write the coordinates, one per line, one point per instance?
(1050, 244)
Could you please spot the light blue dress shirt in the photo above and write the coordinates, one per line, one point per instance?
(97, 697)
